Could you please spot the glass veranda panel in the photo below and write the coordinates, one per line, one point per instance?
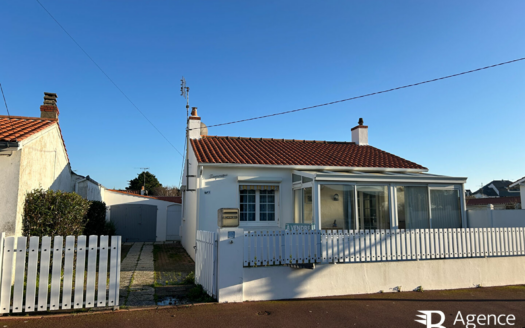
(337, 207)
(412, 207)
(372, 207)
(445, 208)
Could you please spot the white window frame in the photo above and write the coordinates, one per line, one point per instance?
(257, 222)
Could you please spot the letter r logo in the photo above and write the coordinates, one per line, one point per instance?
(427, 319)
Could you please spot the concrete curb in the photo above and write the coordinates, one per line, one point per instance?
(78, 314)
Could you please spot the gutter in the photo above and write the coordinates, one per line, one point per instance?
(7, 148)
(312, 167)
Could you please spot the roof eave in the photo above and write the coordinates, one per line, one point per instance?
(312, 167)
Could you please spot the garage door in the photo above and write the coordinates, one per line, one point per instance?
(135, 222)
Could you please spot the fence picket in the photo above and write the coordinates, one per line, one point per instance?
(68, 272)
(378, 245)
(7, 274)
(91, 271)
(32, 263)
(54, 297)
(341, 246)
(79, 272)
(20, 266)
(102, 271)
(362, 245)
(113, 260)
(514, 246)
(43, 282)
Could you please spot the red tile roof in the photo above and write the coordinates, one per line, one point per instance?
(237, 150)
(176, 199)
(20, 128)
(493, 201)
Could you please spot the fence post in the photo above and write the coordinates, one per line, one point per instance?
(230, 258)
(491, 210)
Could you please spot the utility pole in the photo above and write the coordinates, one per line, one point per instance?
(185, 92)
(144, 174)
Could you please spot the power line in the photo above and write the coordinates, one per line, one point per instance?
(367, 95)
(111, 80)
(8, 114)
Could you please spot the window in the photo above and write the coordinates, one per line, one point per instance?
(372, 207)
(337, 207)
(445, 208)
(412, 207)
(258, 204)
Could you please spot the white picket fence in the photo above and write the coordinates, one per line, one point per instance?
(262, 248)
(206, 261)
(52, 269)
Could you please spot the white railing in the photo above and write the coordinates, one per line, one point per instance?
(262, 248)
(206, 261)
(53, 269)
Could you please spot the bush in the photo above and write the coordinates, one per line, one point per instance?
(54, 213)
(96, 219)
(109, 229)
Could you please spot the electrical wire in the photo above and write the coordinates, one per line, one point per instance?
(367, 95)
(8, 114)
(107, 76)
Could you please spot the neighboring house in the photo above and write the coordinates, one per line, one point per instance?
(32, 155)
(142, 218)
(521, 184)
(278, 183)
(497, 188)
(88, 188)
(499, 203)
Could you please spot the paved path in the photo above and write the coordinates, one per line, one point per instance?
(137, 276)
(374, 310)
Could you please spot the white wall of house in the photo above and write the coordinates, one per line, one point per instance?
(116, 198)
(189, 206)
(522, 194)
(41, 162)
(89, 190)
(9, 180)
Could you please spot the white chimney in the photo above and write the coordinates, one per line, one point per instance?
(360, 134)
(194, 124)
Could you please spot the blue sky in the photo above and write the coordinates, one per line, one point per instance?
(247, 58)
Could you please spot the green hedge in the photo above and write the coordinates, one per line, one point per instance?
(54, 213)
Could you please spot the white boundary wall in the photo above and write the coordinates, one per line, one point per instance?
(281, 282)
(470, 258)
(495, 218)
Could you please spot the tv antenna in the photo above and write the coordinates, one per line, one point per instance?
(185, 92)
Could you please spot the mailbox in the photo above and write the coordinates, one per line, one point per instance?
(228, 217)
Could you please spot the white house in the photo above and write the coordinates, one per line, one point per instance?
(278, 183)
(32, 155)
(521, 183)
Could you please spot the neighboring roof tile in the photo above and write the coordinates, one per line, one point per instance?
(175, 199)
(237, 150)
(20, 128)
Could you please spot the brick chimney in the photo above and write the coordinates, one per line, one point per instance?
(49, 109)
(194, 124)
(360, 134)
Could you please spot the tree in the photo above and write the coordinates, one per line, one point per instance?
(138, 182)
(166, 191)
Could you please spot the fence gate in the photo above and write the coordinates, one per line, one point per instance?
(206, 261)
(47, 275)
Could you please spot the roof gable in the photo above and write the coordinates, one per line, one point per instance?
(260, 151)
(18, 128)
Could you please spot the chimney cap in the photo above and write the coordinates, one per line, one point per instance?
(360, 121)
(50, 94)
(194, 111)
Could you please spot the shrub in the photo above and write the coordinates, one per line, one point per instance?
(96, 219)
(109, 229)
(54, 213)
